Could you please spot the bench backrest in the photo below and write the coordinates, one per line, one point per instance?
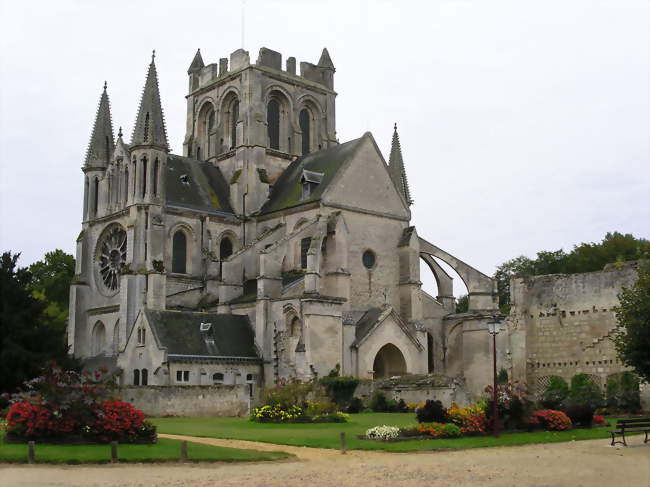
(633, 423)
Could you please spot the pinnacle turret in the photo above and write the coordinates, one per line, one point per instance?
(197, 63)
(325, 60)
(396, 169)
(150, 124)
(101, 143)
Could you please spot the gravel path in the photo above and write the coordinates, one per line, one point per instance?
(585, 463)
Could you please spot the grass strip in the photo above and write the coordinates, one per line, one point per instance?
(165, 450)
(326, 435)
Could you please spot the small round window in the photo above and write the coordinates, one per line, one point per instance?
(369, 259)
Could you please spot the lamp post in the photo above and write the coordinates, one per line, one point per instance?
(494, 327)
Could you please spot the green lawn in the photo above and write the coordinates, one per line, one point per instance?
(163, 451)
(327, 435)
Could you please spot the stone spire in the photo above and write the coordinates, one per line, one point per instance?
(197, 63)
(150, 125)
(325, 60)
(396, 169)
(101, 143)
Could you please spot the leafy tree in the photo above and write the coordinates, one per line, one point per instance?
(633, 314)
(462, 305)
(52, 276)
(585, 257)
(28, 336)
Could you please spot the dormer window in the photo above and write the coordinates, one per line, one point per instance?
(310, 181)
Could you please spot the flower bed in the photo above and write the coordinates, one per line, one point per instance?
(67, 407)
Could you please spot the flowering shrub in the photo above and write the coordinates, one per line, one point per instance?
(470, 419)
(119, 421)
(599, 420)
(277, 414)
(66, 406)
(383, 433)
(412, 406)
(552, 420)
(439, 430)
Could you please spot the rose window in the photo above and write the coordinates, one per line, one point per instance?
(111, 256)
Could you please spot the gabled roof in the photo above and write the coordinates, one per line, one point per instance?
(196, 185)
(373, 318)
(287, 190)
(229, 336)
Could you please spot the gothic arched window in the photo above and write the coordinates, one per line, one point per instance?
(179, 252)
(304, 248)
(98, 338)
(273, 123)
(156, 170)
(96, 196)
(144, 176)
(234, 117)
(144, 375)
(136, 377)
(305, 128)
(126, 184)
(225, 248)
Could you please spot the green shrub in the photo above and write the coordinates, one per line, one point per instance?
(287, 394)
(355, 406)
(450, 430)
(502, 378)
(431, 412)
(583, 400)
(378, 402)
(340, 389)
(556, 393)
(584, 392)
(623, 392)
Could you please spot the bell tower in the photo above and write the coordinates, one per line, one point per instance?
(252, 119)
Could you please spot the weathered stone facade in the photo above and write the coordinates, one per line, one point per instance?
(266, 223)
(561, 325)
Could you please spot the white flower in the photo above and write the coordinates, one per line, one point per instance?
(383, 432)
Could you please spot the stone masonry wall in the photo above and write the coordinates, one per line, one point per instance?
(217, 400)
(565, 324)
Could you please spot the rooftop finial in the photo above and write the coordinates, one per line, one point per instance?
(395, 127)
(119, 132)
(153, 55)
(105, 85)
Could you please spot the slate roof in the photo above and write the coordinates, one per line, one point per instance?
(365, 324)
(196, 185)
(287, 190)
(230, 336)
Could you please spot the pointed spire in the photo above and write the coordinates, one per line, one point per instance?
(396, 169)
(197, 63)
(101, 143)
(150, 124)
(325, 60)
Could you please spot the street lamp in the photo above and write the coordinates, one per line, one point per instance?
(494, 327)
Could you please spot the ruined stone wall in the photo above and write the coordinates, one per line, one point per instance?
(217, 400)
(562, 325)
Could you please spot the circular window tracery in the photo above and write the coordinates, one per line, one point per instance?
(369, 259)
(111, 255)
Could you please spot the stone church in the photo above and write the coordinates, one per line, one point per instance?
(268, 250)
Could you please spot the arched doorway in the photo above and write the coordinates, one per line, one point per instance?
(389, 361)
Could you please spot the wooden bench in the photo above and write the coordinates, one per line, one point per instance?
(636, 425)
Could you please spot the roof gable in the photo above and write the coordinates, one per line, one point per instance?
(287, 190)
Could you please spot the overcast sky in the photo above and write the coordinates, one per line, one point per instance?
(524, 124)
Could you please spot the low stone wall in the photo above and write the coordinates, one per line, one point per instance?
(213, 400)
(415, 388)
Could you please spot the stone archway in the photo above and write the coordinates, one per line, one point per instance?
(389, 361)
